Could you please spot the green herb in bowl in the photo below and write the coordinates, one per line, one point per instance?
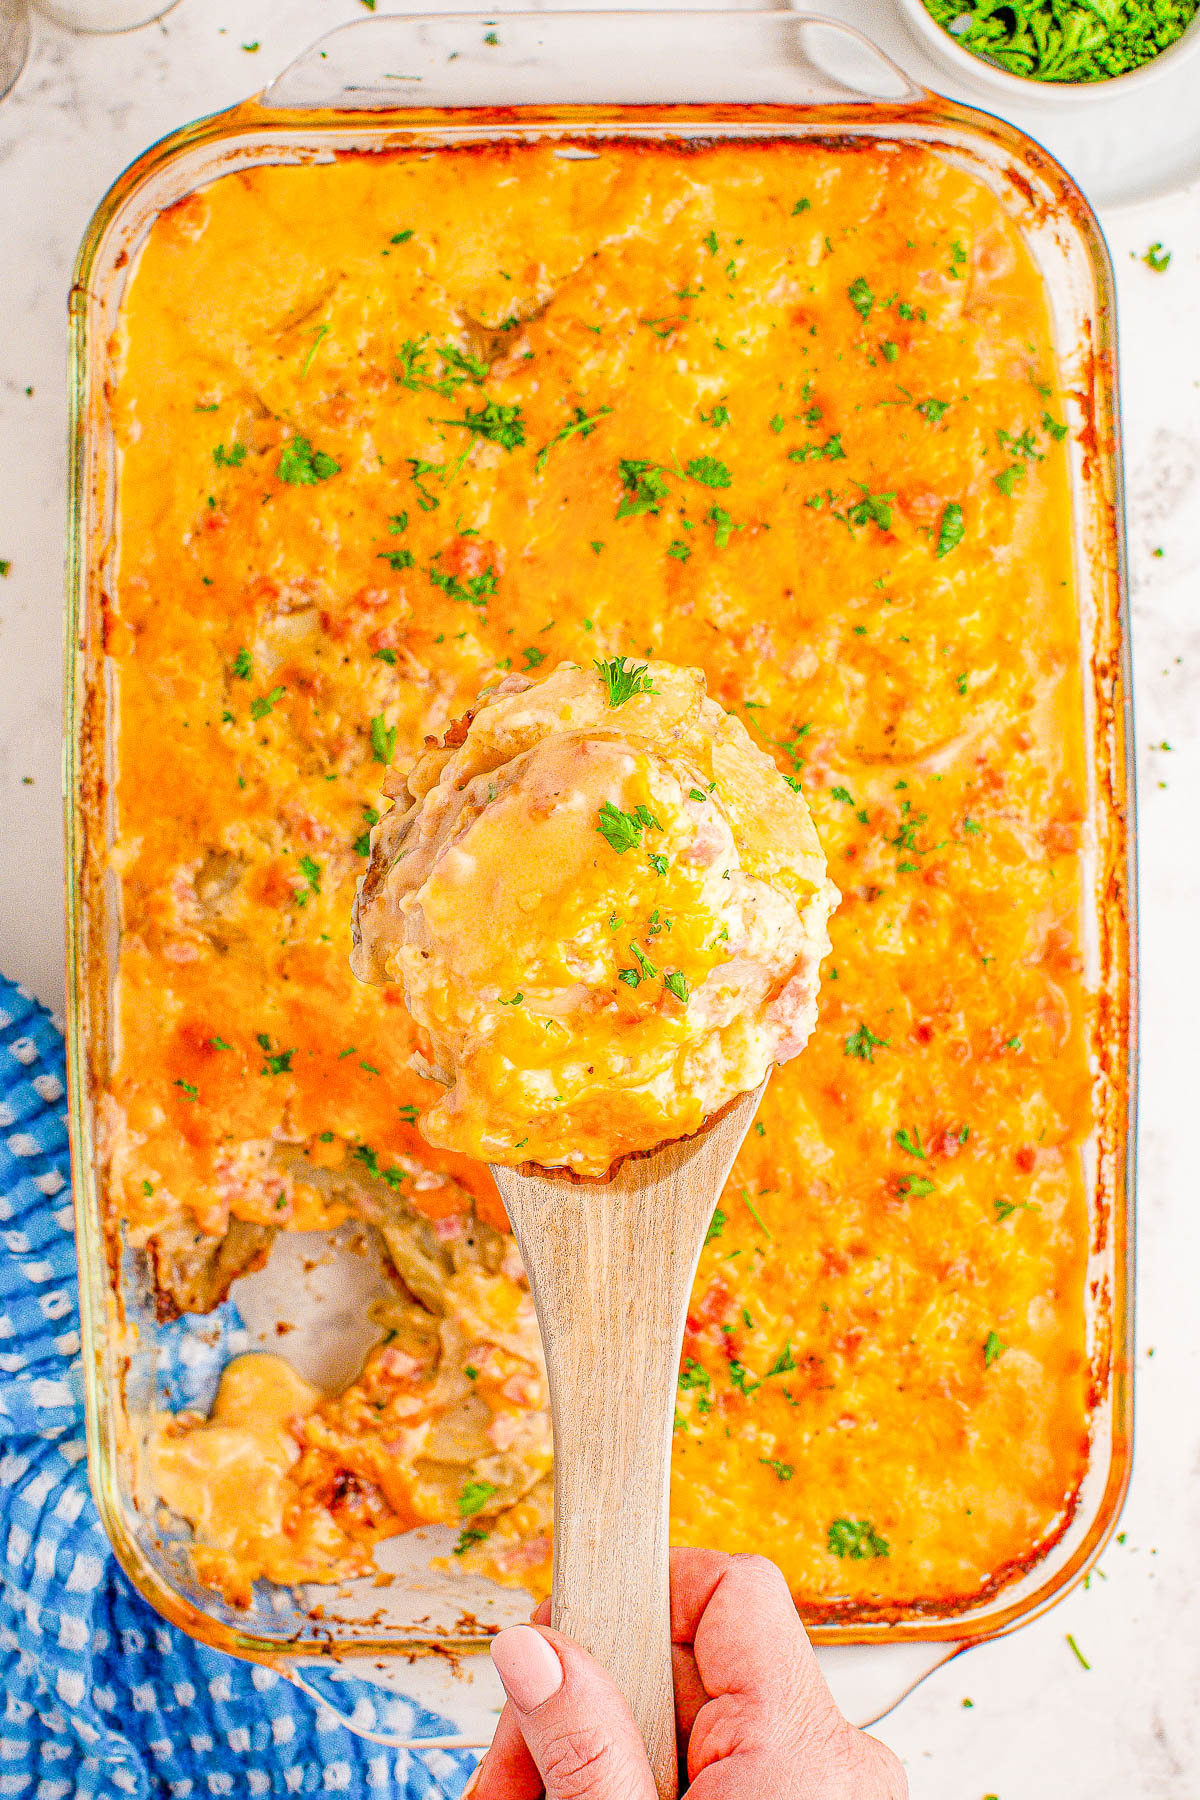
(1062, 40)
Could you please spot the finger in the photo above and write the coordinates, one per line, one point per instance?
(690, 1693)
(694, 1575)
(507, 1772)
(541, 1613)
(574, 1720)
(749, 1639)
(770, 1705)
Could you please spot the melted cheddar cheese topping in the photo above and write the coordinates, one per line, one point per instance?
(394, 426)
(607, 912)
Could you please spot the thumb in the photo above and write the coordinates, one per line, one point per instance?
(575, 1722)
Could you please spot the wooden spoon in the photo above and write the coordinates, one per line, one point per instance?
(610, 1268)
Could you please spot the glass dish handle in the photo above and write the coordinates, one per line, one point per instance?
(556, 58)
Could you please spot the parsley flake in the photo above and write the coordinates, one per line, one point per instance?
(856, 1539)
(263, 704)
(623, 830)
(383, 739)
(644, 487)
(474, 1497)
(863, 1044)
(623, 678)
(861, 297)
(951, 530)
(302, 466)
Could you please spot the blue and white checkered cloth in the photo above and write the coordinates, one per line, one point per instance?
(102, 1698)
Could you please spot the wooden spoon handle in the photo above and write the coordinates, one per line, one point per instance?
(610, 1269)
(613, 1369)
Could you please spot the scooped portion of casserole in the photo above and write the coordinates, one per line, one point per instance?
(606, 909)
(396, 427)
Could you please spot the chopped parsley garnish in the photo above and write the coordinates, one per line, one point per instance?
(362, 844)
(233, 458)
(863, 1043)
(278, 1063)
(302, 466)
(1008, 478)
(218, 1043)
(951, 531)
(872, 509)
(470, 1534)
(189, 1092)
(401, 237)
(515, 1001)
(723, 526)
(397, 522)
(719, 415)
(659, 865)
(716, 1226)
(708, 472)
(992, 1349)
(675, 983)
(397, 559)
(241, 666)
(784, 1362)
(262, 704)
(915, 1187)
(785, 1471)
(623, 830)
(474, 1497)
(711, 245)
(933, 410)
(623, 678)
(740, 1377)
(533, 656)
(679, 550)
(383, 739)
(801, 206)
(310, 868)
(861, 297)
(475, 591)
(1158, 259)
(694, 1375)
(830, 451)
(581, 423)
(856, 1539)
(842, 794)
(890, 350)
(1057, 432)
(644, 487)
(385, 656)
(321, 332)
(496, 423)
(648, 969)
(910, 1141)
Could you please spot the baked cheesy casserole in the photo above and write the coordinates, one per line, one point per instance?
(606, 909)
(394, 427)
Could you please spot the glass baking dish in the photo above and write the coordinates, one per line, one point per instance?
(443, 79)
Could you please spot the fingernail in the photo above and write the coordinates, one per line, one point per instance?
(473, 1784)
(527, 1666)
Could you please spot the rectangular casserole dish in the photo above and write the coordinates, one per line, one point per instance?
(698, 75)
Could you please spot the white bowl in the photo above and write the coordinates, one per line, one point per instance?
(1023, 89)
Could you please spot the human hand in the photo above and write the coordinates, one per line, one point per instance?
(754, 1713)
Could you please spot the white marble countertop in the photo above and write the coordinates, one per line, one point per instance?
(1040, 1726)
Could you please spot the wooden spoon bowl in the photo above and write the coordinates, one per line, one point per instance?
(610, 1267)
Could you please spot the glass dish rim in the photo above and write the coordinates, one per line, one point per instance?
(257, 119)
